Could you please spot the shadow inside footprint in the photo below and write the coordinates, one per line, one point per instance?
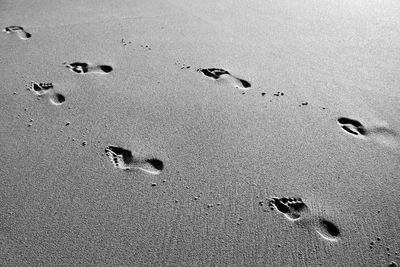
(156, 163)
(40, 88)
(351, 126)
(105, 68)
(245, 84)
(82, 67)
(22, 34)
(327, 230)
(126, 160)
(292, 208)
(78, 67)
(57, 99)
(216, 74)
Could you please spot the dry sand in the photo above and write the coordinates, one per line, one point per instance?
(300, 169)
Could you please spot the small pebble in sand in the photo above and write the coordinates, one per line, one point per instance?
(84, 143)
(154, 184)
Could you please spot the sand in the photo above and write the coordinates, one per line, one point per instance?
(216, 133)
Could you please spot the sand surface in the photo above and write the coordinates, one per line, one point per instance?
(216, 133)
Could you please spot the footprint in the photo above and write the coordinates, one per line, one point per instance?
(293, 208)
(57, 99)
(22, 34)
(327, 229)
(81, 68)
(126, 160)
(44, 89)
(217, 73)
(380, 134)
(40, 88)
(351, 126)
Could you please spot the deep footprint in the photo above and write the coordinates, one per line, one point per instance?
(353, 127)
(82, 67)
(216, 74)
(22, 34)
(327, 230)
(126, 160)
(292, 208)
(57, 99)
(40, 88)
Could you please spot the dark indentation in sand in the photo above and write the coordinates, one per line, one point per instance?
(106, 68)
(329, 227)
(127, 156)
(40, 88)
(57, 99)
(245, 83)
(293, 208)
(280, 206)
(158, 164)
(126, 160)
(82, 67)
(79, 67)
(19, 30)
(351, 126)
(214, 72)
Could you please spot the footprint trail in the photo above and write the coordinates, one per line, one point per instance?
(82, 68)
(126, 160)
(21, 33)
(218, 73)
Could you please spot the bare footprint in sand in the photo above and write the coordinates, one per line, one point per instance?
(295, 209)
(21, 33)
(41, 89)
(217, 73)
(127, 160)
(351, 126)
(380, 134)
(82, 68)
(292, 208)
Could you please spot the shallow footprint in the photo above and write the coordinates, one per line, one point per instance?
(351, 126)
(327, 229)
(22, 34)
(126, 160)
(292, 208)
(217, 73)
(82, 67)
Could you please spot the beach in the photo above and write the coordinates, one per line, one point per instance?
(229, 133)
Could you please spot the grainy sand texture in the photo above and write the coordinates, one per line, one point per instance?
(200, 133)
